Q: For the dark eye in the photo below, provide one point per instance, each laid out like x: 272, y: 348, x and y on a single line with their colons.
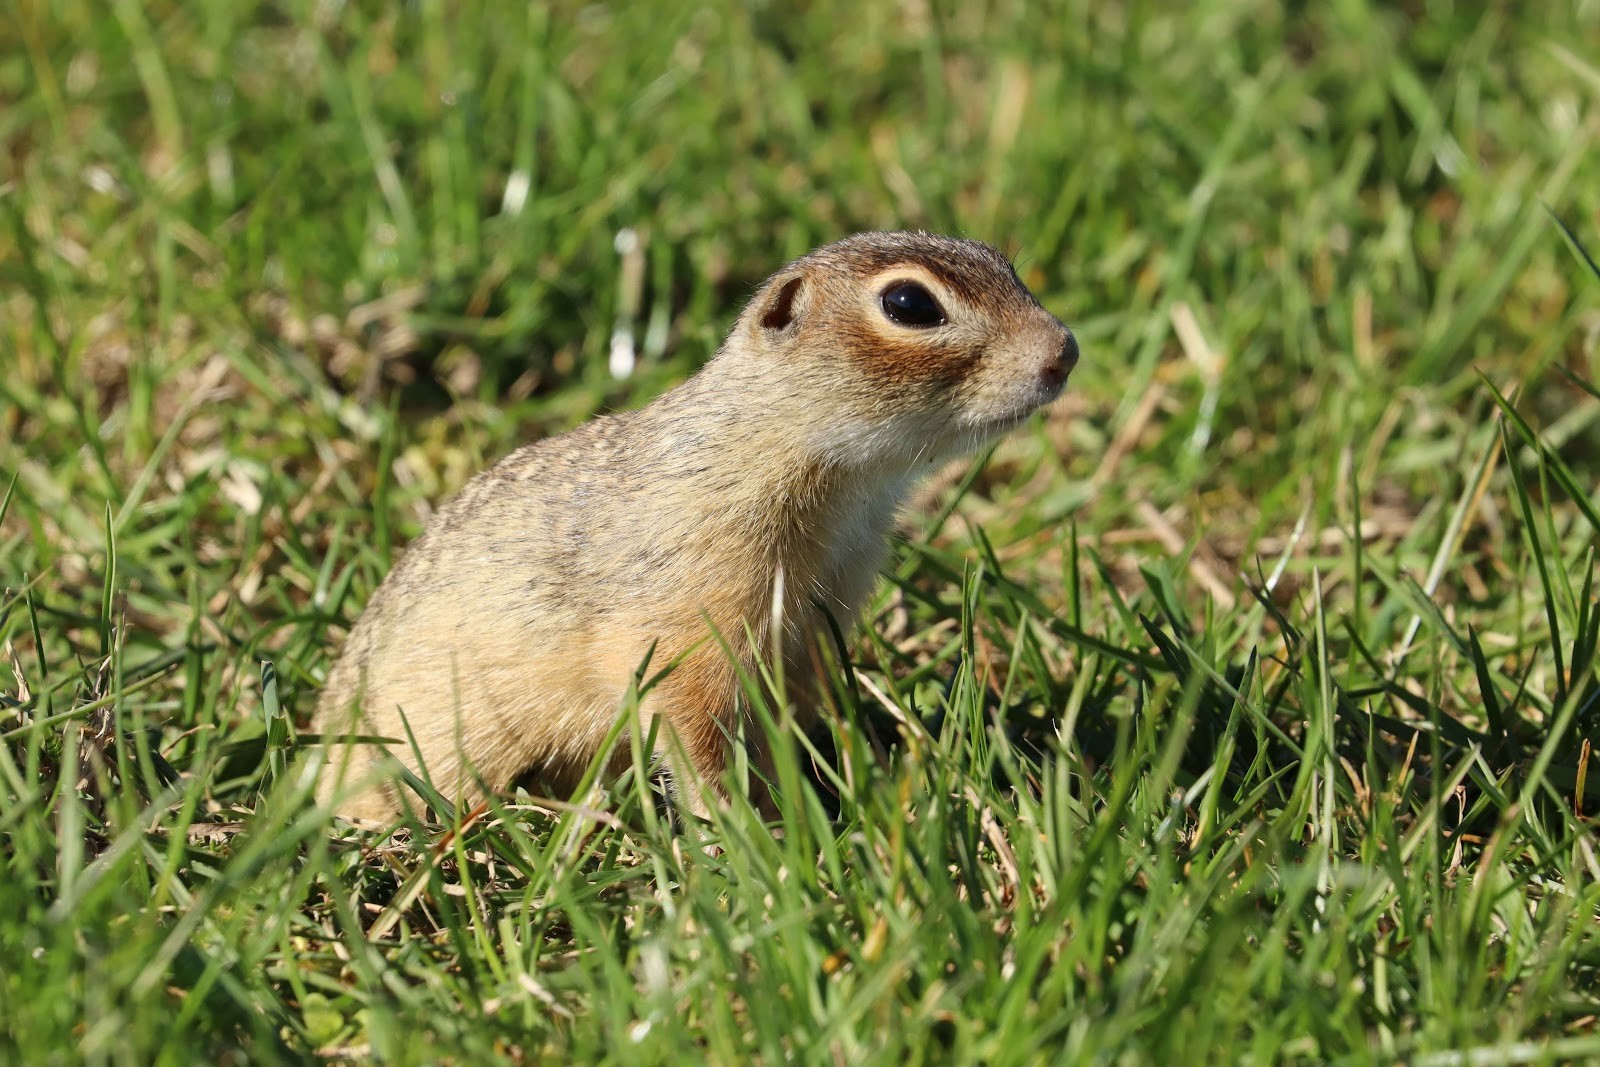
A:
x: 910, y: 304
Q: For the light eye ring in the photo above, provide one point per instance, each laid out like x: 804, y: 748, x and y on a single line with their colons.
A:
x: 909, y: 304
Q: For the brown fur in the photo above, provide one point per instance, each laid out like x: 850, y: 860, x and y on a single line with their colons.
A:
x: 507, y: 636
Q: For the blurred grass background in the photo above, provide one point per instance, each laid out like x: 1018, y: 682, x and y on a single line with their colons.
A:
x: 276, y: 277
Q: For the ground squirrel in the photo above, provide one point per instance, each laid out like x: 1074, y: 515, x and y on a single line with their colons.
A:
x: 762, y: 488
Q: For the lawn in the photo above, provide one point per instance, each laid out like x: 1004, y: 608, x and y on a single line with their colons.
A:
x: 1237, y: 709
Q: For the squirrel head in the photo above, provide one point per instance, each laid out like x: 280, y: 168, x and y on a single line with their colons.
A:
x: 901, y: 348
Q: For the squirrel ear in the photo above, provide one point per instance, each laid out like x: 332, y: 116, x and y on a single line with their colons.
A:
x: 783, y: 303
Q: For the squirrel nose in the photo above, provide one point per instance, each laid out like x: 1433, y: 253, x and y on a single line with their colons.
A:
x: 1056, y: 371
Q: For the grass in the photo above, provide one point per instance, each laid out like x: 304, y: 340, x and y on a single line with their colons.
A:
x: 1240, y: 710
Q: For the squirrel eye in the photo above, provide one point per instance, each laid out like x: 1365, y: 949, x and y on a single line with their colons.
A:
x: 910, y: 304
